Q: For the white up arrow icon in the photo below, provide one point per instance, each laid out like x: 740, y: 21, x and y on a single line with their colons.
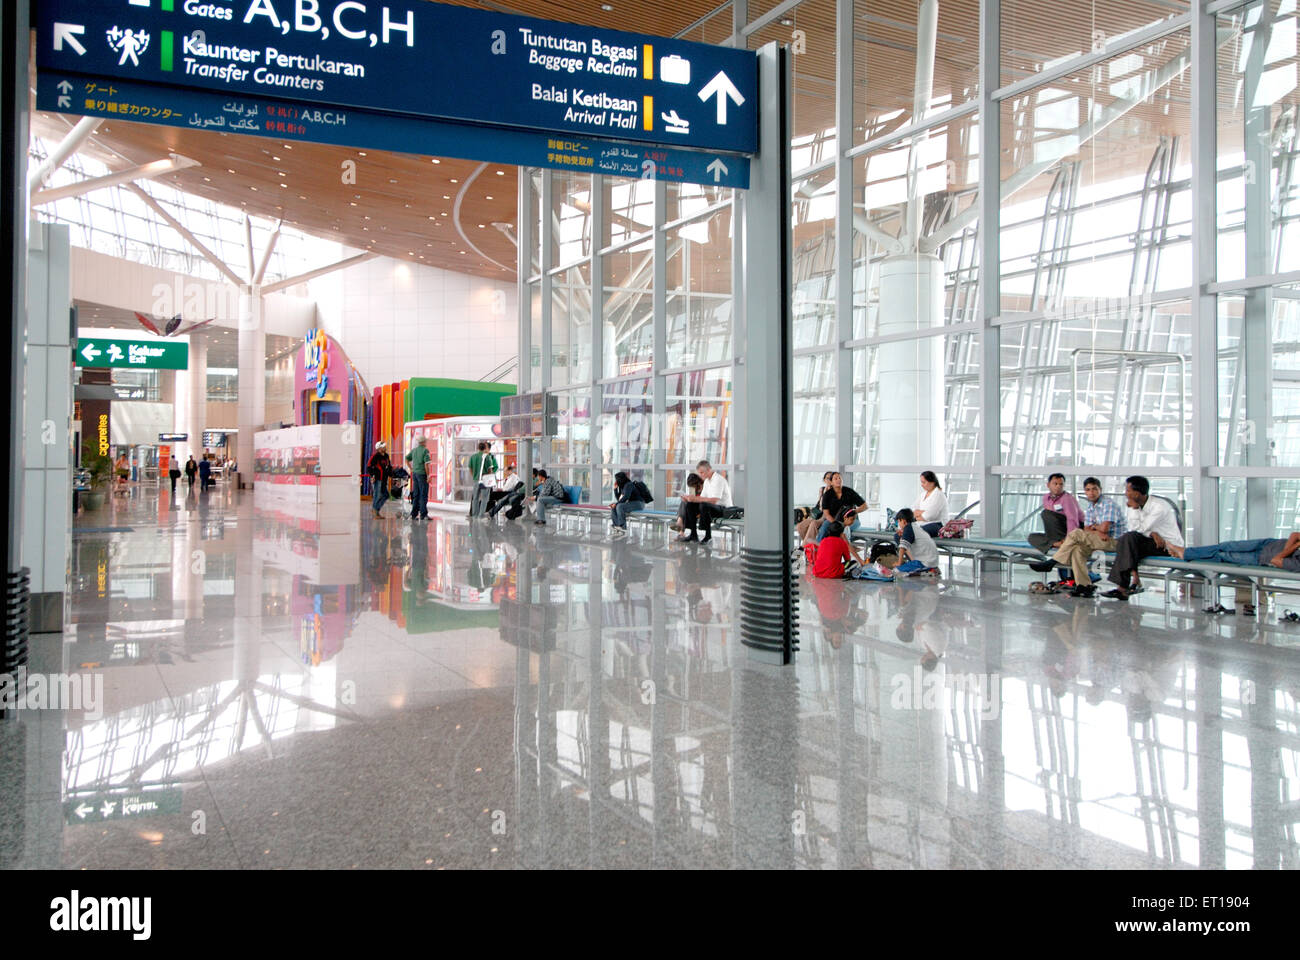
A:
x: 722, y: 87
x: 66, y: 33
x: 717, y: 168
x: 65, y: 89
x: 89, y: 352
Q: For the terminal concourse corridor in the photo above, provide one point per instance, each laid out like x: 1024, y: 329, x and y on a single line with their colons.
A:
x: 350, y: 692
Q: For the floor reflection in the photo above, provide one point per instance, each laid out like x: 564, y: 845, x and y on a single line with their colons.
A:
x: 345, y: 690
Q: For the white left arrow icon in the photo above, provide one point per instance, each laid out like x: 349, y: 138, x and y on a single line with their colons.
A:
x: 89, y: 352
x: 82, y: 810
x: 67, y: 33
x: 721, y: 87
x: 718, y: 169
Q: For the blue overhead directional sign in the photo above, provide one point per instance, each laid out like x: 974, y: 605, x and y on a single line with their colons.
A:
x: 424, y: 59
x: 294, y: 121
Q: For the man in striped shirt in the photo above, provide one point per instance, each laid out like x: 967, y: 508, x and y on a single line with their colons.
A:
x: 1103, y: 525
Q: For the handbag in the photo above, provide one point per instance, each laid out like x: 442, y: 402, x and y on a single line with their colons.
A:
x: 955, y: 529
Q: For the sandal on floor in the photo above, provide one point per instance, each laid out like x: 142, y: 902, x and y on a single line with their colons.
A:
x: 1247, y: 610
x: 1217, y: 608
x: 1290, y: 616
x: 1038, y: 588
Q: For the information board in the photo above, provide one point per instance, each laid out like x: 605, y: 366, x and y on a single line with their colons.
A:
x: 423, y: 59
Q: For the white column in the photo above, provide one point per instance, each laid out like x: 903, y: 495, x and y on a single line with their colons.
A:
x: 252, y: 377
x: 192, y: 404
x: 911, y: 374
x: 47, y: 416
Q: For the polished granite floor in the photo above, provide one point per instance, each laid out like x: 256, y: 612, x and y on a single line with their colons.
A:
x: 282, y: 689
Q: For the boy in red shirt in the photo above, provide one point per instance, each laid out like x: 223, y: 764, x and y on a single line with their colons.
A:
x: 834, y: 553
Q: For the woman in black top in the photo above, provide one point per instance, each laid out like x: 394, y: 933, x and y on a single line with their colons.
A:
x: 808, y: 529
x: 840, y: 503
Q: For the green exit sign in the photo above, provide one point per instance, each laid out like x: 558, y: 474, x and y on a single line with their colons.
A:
x: 151, y: 355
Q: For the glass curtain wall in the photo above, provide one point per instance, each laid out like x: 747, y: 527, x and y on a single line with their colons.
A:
x: 1097, y: 319
x: 1092, y: 313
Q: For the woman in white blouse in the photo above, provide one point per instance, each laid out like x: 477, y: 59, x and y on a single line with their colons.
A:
x: 931, y: 508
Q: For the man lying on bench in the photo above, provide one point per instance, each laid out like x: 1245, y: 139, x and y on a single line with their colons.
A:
x: 1247, y: 553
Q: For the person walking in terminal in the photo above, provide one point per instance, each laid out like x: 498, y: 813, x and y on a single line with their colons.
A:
x: 1103, y: 525
x: 839, y: 504
x: 712, y: 501
x: 191, y: 470
x: 419, y: 461
x: 915, y: 545
x: 931, y: 507
x: 1061, y: 514
x: 205, y: 473
x: 380, y: 467
x: 482, y: 467
x: 630, y: 496
x: 550, y: 492
x: 1152, y: 530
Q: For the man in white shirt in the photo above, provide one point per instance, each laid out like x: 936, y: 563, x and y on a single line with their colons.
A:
x: 1152, y: 529
x: 510, y: 484
x: 712, y: 502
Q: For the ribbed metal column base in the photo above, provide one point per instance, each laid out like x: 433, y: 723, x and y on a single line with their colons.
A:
x: 13, y: 653
x: 769, y: 596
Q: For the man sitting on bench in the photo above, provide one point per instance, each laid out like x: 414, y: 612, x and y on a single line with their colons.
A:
x: 1061, y: 515
x: 1103, y: 525
x: 711, y: 503
x: 1152, y: 530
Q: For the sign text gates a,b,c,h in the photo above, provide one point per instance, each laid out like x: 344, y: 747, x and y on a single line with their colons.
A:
x: 417, y: 58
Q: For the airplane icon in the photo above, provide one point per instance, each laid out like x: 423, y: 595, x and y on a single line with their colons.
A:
x: 675, y: 123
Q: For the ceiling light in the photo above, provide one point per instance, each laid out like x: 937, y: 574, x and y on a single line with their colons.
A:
x: 276, y: 159
x: 489, y: 198
x: 230, y: 171
x: 482, y: 226
x: 391, y: 180
x: 361, y: 154
x: 281, y: 173
x: 501, y: 173
x: 455, y: 180
x: 607, y: 7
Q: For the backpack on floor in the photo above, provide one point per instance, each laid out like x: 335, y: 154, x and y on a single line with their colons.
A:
x: 882, y: 548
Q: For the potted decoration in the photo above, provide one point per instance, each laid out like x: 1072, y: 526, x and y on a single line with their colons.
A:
x: 100, y: 468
